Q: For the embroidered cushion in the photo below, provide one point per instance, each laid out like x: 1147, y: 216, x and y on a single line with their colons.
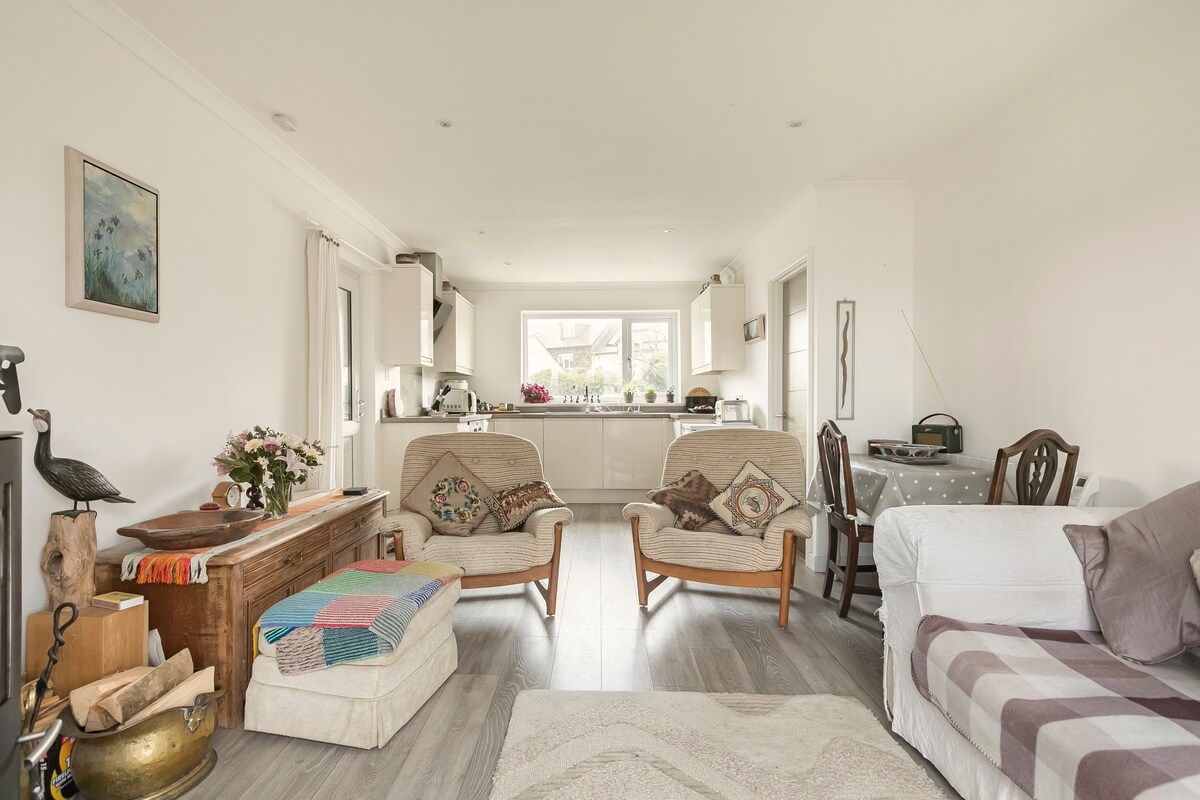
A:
x: 688, y: 498
x: 749, y: 503
x: 513, y: 506
x: 451, y: 497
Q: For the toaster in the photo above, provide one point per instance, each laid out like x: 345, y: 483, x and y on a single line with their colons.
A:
x: 733, y: 411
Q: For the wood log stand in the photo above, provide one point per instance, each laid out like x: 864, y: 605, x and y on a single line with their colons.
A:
x: 69, y: 558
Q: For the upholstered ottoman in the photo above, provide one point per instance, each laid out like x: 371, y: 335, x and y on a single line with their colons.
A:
x: 360, y: 703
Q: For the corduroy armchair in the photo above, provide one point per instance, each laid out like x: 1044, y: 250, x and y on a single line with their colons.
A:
x: 712, y: 554
x: 489, y: 556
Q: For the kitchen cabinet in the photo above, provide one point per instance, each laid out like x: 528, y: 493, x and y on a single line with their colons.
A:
x: 454, y: 348
x: 530, y: 429
x: 633, y: 453
x: 406, y: 308
x: 717, y: 318
x: 572, y: 457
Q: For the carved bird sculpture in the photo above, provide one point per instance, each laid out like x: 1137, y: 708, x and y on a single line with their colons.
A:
x: 80, y: 482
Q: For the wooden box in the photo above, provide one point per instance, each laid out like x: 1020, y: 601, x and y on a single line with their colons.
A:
x: 99, y: 643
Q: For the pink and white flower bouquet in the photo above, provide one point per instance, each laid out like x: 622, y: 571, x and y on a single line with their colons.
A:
x: 270, y: 461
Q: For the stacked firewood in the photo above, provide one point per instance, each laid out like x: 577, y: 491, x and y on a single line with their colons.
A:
x: 128, y: 697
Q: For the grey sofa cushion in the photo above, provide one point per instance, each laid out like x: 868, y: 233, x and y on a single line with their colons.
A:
x: 1139, y: 577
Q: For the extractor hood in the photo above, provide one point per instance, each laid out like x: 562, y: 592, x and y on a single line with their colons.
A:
x: 443, y: 301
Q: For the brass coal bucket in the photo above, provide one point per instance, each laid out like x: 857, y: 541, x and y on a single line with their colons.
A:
x: 161, y: 757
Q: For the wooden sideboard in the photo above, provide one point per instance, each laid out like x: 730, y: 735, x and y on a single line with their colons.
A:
x: 215, y: 620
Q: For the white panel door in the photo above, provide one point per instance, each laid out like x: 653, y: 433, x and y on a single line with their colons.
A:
x: 633, y: 453
x: 573, y: 453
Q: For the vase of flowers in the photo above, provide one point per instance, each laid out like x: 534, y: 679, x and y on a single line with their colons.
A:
x: 271, y: 462
x: 670, y: 394
x: 535, y: 393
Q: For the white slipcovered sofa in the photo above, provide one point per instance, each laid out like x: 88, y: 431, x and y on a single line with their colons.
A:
x: 1008, y: 565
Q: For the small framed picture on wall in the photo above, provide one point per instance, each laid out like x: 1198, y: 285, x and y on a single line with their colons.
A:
x: 755, y: 330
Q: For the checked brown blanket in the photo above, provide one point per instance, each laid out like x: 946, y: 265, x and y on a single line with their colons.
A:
x: 1062, y: 716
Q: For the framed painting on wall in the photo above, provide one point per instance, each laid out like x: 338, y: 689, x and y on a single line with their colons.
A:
x: 112, y: 240
x: 844, y: 384
x: 755, y: 330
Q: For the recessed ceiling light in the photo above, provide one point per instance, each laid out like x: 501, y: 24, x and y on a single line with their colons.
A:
x: 796, y: 123
x: 668, y: 230
x: 445, y: 123
x: 285, y: 122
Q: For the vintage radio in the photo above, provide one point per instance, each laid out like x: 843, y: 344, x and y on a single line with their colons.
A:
x: 948, y: 436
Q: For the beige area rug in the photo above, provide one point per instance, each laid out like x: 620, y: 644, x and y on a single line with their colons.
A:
x: 688, y: 745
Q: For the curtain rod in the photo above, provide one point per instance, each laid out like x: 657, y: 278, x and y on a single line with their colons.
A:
x: 312, y: 223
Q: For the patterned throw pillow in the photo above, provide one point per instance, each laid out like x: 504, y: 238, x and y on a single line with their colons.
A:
x: 749, y: 503
x: 451, y: 497
x: 513, y: 506
x: 688, y: 498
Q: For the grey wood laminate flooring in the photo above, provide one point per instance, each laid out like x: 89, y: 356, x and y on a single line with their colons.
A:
x: 693, y: 637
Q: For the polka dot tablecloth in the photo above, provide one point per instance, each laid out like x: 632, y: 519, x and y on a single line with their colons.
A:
x: 880, y: 485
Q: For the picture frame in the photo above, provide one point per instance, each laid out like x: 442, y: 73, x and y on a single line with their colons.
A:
x: 844, y: 382
x: 112, y: 240
x: 755, y: 330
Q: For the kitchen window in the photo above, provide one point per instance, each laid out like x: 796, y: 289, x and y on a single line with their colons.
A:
x: 602, y: 352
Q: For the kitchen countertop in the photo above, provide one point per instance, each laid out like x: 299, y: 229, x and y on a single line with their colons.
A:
x: 447, y: 419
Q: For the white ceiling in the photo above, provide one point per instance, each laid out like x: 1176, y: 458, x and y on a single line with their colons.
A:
x: 582, y: 130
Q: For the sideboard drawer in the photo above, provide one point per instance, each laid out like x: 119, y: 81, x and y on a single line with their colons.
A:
x: 284, y: 563
x: 357, y: 526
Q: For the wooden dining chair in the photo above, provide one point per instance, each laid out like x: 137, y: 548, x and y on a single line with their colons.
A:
x: 843, y: 517
x: 1036, y: 469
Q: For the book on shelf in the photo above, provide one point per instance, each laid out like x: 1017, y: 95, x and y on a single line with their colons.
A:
x: 117, y: 601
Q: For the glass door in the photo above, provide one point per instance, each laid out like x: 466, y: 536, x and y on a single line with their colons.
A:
x: 350, y: 326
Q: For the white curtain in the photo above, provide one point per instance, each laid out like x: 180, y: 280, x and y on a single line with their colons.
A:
x: 324, y: 358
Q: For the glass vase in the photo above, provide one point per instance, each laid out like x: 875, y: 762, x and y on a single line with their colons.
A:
x: 277, y: 499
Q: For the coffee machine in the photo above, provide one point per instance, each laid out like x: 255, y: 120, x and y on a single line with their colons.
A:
x: 455, y: 398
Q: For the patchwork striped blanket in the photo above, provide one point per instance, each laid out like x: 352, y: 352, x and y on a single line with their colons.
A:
x: 1062, y: 716
x: 358, y: 612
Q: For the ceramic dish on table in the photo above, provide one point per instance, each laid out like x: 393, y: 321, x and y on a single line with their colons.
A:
x: 906, y: 450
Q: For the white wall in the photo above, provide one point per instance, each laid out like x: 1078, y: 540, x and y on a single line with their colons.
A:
x: 147, y: 404
x: 498, y: 326
x: 1056, y: 270
x: 857, y: 240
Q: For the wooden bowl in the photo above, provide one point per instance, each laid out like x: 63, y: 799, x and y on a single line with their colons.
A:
x: 188, y: 530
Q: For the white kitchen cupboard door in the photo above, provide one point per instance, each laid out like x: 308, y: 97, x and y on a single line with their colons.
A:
x: 573, y: 453
x: 406, y: 308
x: 633, y: 453
x: 530, y: 429
x: 717, y: 318
x: 454, y: 350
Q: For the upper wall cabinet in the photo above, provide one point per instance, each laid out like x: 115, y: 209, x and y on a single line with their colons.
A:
x: 406, y: 306
x: 717, y: 318
x: 454, y: 349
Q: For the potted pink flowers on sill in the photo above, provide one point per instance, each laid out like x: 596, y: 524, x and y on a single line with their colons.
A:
x: 270, y: 462
x: 535, y: 393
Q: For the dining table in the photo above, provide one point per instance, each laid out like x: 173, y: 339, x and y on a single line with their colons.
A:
x: 880, y: 484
